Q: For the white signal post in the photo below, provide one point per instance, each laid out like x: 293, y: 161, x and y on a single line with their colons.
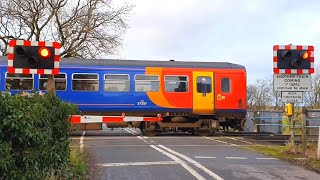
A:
x: 292, y: 67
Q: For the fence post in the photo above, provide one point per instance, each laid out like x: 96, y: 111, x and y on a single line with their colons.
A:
x: 318, y: 153
x: 304, y: 129
x: 291, y: 118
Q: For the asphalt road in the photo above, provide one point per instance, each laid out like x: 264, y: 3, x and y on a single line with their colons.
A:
x: 126, y: 154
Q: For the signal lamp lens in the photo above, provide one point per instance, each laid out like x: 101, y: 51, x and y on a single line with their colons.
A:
x: 44, y: 52
x: 20, y: 51
x: 305, y: 55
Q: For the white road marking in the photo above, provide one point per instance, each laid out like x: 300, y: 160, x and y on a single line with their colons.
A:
x: 81, y: 141
x: 137, y: 135
x: 131, y: 131
x: 210, y: 173
x: 239, y: 140
x: 205, y: 157
x: 134, y: 131
x: 236, y: 158
x: 142, y: 139
x: 104, y: 138
x: 181, y: 162
x: 220, y: 141
x: 137, y: 163
x: 267, y: 158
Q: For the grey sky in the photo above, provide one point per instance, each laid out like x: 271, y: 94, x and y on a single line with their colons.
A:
x: 237, y: 31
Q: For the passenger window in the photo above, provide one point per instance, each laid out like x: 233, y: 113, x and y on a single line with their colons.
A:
x: 225, y: 85
x: 19, y: 81
x: 85, y: 82
x: 59, y: 79
x: 116, y: 83
x: 204, y: 84
x: 176, y: 83
x: 146, y: 83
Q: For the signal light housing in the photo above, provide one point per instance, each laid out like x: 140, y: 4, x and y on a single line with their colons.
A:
x: 293, y: 59
x: 33, y: 57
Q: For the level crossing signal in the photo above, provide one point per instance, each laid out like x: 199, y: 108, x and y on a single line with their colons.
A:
x: 293, y: 59
x: 33, y: 57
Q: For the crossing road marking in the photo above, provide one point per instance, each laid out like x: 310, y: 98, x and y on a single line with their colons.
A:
x: 205, y: 157
x: 179, y: 161
x: 267, y: 158
x: 137, y: 163
x: 209, y: 172
x: 236, y: 158
x: 235, y: 139
x: 220, y: 141
x: 81, y: 141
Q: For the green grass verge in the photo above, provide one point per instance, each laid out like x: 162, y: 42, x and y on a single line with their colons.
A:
x: 75, y: 169
x: 78, y: 162
x: 283, y: 153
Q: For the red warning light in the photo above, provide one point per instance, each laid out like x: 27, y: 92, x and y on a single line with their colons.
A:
x: 44, y: 52
x: 305, y: 55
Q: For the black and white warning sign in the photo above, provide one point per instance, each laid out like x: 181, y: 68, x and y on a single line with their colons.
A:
x: 292, y: 97
x: 292, y: 82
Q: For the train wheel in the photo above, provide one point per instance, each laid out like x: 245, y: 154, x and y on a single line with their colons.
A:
x: 206, y: 128
x: 149, y: 129
x: 204, y: 132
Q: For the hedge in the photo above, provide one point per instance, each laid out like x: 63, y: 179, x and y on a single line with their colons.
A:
x: 34, y: 136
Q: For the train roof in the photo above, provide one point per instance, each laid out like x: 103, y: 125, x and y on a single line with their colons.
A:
x: 143, y: 63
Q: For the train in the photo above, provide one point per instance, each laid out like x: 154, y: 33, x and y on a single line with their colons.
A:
x: 155, y: 96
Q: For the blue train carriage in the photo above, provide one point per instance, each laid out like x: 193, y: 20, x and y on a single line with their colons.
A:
x: 154, y: 96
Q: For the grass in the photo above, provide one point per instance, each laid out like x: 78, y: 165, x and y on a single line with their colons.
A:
x: 75, y: 169
x: 78, y: 161
x: 290, y: 154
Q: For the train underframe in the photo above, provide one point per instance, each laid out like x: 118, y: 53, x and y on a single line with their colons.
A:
x: 202, y: 125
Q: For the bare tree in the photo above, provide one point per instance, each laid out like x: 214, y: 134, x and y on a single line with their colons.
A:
x: 85, y: 28
x: 312, y: 98
x: 260, y: 94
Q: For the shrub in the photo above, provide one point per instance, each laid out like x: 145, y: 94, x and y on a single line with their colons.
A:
x: 34, y: 135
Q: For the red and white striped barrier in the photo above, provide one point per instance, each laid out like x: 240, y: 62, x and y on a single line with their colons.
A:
x: 78, y: 119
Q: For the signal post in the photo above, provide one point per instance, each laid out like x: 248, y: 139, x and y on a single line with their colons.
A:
x: 292, y: 67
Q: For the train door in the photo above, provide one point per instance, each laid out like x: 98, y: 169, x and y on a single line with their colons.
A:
x: 203, y: 92
x: 230, y: 90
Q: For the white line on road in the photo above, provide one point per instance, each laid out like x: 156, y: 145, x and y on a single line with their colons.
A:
x: 220, y: 141
x: 137, y: 135
x: 210, y: 173
x: 81, y: 141
x: 137, y: 163
x: 131, y: 131
x: 179, y: 161
x: 205, y: 157
x: 267, y: 158
x: 239, y: 140
x: 236, y: 158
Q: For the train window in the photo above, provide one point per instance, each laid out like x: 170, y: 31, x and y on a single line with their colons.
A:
x: 116, y: 82
x: 204, y: 84
x: 176, y: 83
x: 146, y: 83
x: 19, y: 81
x: 59, y: 79
x: 225, y: 85
x: 85, y: 82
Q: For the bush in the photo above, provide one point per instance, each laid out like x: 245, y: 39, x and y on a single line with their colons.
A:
x: 34, y: 135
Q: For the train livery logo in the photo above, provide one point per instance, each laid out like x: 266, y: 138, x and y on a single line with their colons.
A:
x: 142, y: 103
